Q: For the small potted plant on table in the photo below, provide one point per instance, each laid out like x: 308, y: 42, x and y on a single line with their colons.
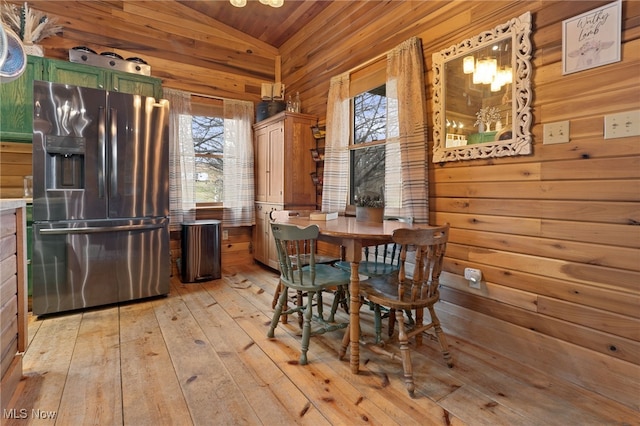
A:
x: 369, y: 208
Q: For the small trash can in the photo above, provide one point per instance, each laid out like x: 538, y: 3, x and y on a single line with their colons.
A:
x: 201, y: 257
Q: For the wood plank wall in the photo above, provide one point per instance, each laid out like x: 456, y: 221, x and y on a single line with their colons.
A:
x: 555, y: 233
x: 15, y: 164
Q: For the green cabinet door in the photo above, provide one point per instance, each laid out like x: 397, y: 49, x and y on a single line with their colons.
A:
x: 75, y: 74
x: 16, y: 99
x: 137, y: 84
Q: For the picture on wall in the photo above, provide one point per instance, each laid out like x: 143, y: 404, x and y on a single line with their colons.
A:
x: 592, y: 39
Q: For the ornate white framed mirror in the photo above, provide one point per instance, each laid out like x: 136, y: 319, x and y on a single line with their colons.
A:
x: 482, y: 95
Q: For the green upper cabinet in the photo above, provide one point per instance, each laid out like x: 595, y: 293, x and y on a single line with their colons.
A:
x: 16, y: 111
x: 16, y: 97
x: 125, y: 82
x: 76, y: 74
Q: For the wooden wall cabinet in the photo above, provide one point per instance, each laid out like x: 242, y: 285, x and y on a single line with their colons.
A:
x: 283, y: 163
x: 282, y: 167
x: 75, y: 74
x: 16, y: 98
x: 264, y: 250
x: 101, y: 78
x: 16, y: 109
x: 13, y: 296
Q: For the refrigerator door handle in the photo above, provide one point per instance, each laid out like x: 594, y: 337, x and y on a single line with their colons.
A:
x: 102, y: 133
x: 99, y: 229
x: 113, y: 137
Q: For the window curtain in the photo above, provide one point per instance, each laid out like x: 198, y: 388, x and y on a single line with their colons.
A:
x: 406, y: 187
x: 182, y: 195
x: 238, y: 194
x: 336, y: 152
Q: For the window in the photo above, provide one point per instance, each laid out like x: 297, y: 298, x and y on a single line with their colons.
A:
x: 367, y: 156
x: 207, y: 131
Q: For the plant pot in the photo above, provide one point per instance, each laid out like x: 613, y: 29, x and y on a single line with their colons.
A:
x: 369, y: 214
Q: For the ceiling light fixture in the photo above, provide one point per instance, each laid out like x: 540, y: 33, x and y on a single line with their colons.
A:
x: 243, y: 3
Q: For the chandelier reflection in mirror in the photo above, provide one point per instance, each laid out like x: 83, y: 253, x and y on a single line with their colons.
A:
x: 482, y: 95
x: 243, y: 3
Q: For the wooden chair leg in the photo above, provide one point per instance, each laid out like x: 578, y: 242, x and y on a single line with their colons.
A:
x: 345, y: 342
x: 419, y: 321
x: 319, y: 305
x: 377, y: 323
x: 277, y: 312
x: 392, y: 322
x: 276, y: 295
x: 337, y: 295
x: 339, y: 299
x: 299, y: 302
x: 344, y: 299
x: 306, y: 329
x: 406, y: 355
x: 442, y: 339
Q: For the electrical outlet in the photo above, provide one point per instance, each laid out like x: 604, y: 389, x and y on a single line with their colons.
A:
x: 225, y: 234
x: 474, y: 276
x: 557, y: 132
x: 622, y: 124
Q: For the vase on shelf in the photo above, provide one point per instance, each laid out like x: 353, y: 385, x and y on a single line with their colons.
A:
x: 488, y: 127
x: 33, y: 49
x: 481, y: 127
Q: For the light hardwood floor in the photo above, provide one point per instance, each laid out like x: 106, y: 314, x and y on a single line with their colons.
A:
x: 201, y: 356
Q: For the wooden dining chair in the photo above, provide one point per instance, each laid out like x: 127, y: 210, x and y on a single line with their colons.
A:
x: 379, y: 261
x: 280, y: 215
x: 415, y: 291
x: 313, y: 278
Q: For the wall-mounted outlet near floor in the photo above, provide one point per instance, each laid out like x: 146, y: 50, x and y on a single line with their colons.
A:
x: 474, y: 276
x: 225, y: 234
x: 557, y: 132
x: 622, y: 124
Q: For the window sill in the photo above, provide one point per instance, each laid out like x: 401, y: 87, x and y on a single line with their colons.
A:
x: 212, y: 207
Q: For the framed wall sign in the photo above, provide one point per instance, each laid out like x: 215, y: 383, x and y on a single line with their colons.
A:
x: 592, y: 39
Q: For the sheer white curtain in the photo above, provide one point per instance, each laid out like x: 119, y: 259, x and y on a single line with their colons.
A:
x: 238, y: 194
x: 336, y: 152
x: 182, y: 198
x: 406, y: 186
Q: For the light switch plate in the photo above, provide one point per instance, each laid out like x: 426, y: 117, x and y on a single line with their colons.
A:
x: 622, y: 124
x: 557, y: 132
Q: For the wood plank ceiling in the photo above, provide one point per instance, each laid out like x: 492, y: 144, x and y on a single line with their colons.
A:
x: 271, y: 25
x: 203, y: 46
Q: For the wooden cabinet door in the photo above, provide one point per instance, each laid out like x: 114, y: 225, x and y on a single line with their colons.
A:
x: 296, y: 184
x: 275, y: 181
x: 269, y: 166
x: 264, y: 247
x: 101, y: 78
x: 261, y: 149
x: 259, y: 237
x: 137, y: 84
x: 76, y: 74
x: 16, y: 97
x: 16, y: 103
x: 282, y: 165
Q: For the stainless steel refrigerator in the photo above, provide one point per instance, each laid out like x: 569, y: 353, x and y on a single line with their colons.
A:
x: 100, y: 197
